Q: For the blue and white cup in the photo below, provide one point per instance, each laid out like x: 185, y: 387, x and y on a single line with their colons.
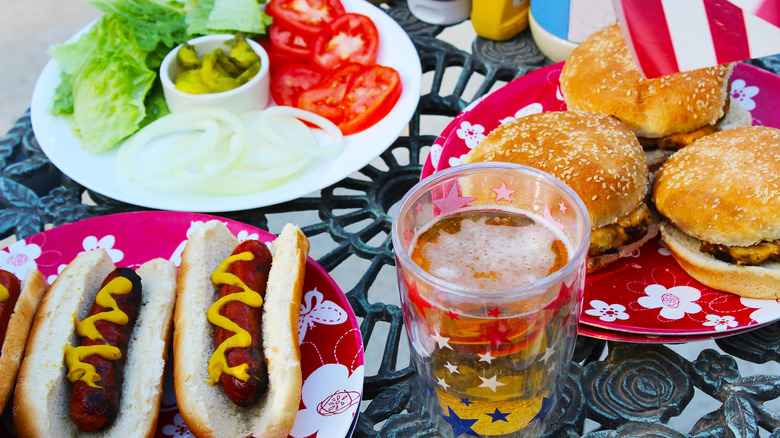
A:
x: 558, y: 26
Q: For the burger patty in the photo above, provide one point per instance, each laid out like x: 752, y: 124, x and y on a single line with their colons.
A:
x: 629, y: 228
x: 677, y: 141
x: 680, y: 140
x: 744, y: 255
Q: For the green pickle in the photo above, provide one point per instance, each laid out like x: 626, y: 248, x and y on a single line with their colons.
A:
x: 216, y: 71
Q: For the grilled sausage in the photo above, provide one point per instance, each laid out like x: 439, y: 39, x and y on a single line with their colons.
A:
x: 254, y: 274
x: 94, y: 407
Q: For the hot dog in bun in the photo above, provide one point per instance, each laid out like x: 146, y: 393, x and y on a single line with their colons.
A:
x: 18, y: 303
x: 666, y: 112
x: 721, y: 197
x: 97, y: 349
x: 598, y: 157
x: 236, y: 355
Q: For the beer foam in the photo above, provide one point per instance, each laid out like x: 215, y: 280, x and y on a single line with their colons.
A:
x: 489, y: 256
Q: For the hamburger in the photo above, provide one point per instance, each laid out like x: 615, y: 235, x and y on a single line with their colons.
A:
x: 665, y: 113
x: 598, y: 157
x: 720, y: 197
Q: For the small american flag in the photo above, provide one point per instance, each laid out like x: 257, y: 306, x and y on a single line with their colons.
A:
x: 668, y: 36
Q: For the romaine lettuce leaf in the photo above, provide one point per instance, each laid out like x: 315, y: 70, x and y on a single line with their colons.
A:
x: 197, y: 15
x: 108, y: 71
x: 158, y: 26
x: 206, y: 17
x: 240, y: 15
x: 109, y: 80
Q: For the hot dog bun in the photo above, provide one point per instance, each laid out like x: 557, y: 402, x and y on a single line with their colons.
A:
x: 12, y: 347
x: 42, y: 400
x: 206, y: 409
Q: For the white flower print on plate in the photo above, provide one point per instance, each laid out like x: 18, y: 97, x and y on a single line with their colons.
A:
x: 767, y: 309
x: 674, y: 302
x: 107, y: 243
x: 454, y: 161
x: 744, y: 94
x: 331, y: 397
x: 607, y: 312
x: 470, y: 134
x: 534, y: 108
x: 178, y: 429
x: 19, y: 257
x: 721, y: 323
x: 435, y: 154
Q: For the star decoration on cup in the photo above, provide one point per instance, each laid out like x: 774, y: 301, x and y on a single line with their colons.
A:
x: 546, y: 405
x: 491, y: 383
x: 452, y: 202
x: 547, y: 215
x: 459, y: 425
x: 453, y: 369
x: 441, y: 340
x: 503, y: 193
x: 417, y: 299
x: 547, y: 354
x: 486, y: 357
x: 498, y: 416
x: 494, y: 312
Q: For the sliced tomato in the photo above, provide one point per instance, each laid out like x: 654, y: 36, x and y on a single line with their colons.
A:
x: 371, y: 95
x: 277, y: 58
x: 305, y: 16
x: 291, y: 43
x: 349, y: 38
x: 327, y: 97
x: 291, y: 79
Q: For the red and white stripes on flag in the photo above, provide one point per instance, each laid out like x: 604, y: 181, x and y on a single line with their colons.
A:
x: 668, y: 36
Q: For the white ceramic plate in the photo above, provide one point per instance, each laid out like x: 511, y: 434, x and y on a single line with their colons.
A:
x: 99, y: 173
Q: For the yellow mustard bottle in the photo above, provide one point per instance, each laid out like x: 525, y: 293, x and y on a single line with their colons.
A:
x: 499, y: 19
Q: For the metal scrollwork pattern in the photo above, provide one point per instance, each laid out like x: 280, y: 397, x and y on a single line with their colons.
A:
x: 624, y: 389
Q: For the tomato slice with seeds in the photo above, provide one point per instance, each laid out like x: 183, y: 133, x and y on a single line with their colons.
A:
x: 349, y: 38
x: 371, y: 95
x: 305, y: 16
x: 327, y: 97
x: 291, y: 43
x: 291, y: 79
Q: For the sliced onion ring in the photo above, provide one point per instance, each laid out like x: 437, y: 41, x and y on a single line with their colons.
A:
x: 182, y: 176
x: 216, y: 155
x: 274, y: 122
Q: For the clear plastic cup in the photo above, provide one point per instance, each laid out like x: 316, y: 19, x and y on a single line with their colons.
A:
x: 491, y: 264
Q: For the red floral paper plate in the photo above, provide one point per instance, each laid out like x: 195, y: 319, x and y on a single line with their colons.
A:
x: 647, y: 294
x: 329, y: 334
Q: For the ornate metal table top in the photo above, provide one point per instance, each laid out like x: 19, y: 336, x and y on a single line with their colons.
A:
x: 614, y: 389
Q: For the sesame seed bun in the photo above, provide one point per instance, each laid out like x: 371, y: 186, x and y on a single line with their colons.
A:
x: 724, y: 188
x: 595, y: 154
x: 600, y: 76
